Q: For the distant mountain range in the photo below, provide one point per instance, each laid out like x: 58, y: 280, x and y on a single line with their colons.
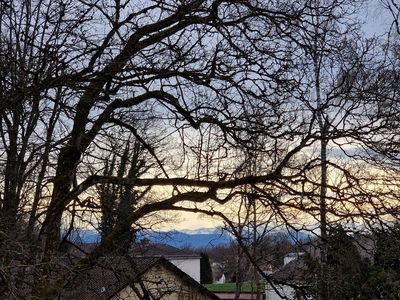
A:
x: 192, y: 238
x: 199, y: 238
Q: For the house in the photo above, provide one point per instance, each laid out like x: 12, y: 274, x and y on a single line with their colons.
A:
x: 291, y: 256
x: 127, y: 278
x: 220, y: 278
x: 294, y: 273
x: 300, y: 268
x: 185, y: 259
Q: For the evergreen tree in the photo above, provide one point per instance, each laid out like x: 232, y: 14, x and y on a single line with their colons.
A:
x: 346, y: 270
x: 384, y: 276
x: 205, y: 269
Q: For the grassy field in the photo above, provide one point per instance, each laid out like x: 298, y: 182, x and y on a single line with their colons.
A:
x: 230, y: 287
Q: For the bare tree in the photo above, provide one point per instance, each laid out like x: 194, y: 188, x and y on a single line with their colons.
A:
x: 394, y: 9
x: 215, y: 80
x: 94, y: 64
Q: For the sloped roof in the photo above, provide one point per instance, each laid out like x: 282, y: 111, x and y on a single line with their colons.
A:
x: 297, y: 271
x: 112, y: 274
x: 106, y: 278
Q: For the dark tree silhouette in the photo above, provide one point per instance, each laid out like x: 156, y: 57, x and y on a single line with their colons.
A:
x: 212, y: 81
x: 206, y: 275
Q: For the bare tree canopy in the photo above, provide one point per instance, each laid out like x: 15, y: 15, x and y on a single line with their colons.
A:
x: 116, y: 111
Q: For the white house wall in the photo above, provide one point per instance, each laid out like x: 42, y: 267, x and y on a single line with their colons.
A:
x: 190, y: 266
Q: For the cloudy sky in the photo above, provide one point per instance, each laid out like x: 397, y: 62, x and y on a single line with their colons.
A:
x: 377, y: 21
